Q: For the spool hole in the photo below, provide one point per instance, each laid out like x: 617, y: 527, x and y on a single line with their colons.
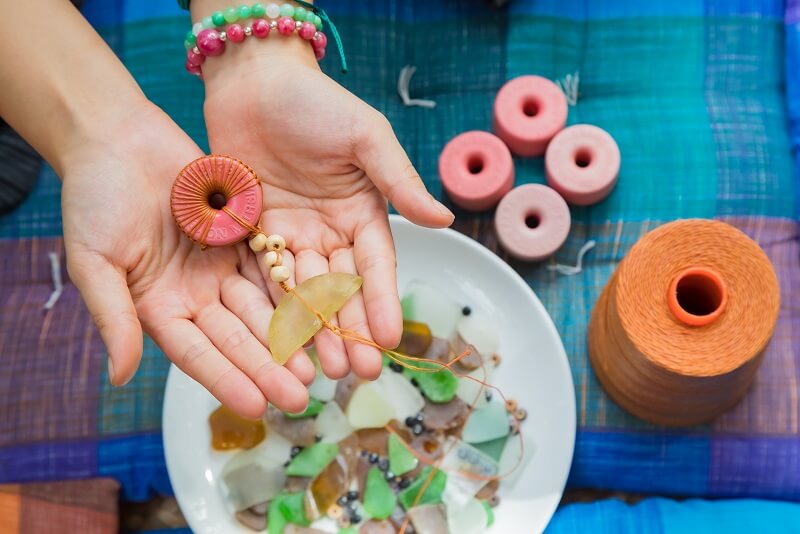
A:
x: 532, y: 220
x: 217, y: 200
x: 475, y: 164
x: 697, y: 296
x: 583, y: 158
x: 530, y: 107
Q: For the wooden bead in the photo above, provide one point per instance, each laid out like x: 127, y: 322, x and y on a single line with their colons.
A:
x: 276, y: 243
x: 279, y: 273
x: 258, y: 243
x: 271, y: 259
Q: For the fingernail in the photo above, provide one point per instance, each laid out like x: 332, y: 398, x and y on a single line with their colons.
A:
x: 441, y: 208
x: 111, y: 373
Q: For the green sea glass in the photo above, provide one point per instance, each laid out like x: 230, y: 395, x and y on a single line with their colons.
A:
x: 312, y: 460
x: 433, y: 493
x: 293, y: 323
x: 487, y: 423
x: 284, y: 509
x: 437, y: 386
x: 401, y: 461
x: 379, y: 499
x: 314, y: 408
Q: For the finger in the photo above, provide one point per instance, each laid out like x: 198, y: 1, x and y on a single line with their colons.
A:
x: 302, y: 367
x: 249, y: 269
x: 365, y: 360
x: 104, y: 288
x: 386, y: 163
x: 194, y: 354
x: 251, y: 305
x: 237, y: 343
x: 330, y: 347
x: 376, y: 263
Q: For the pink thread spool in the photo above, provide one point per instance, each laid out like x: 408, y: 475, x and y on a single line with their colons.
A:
x: 528, y: 112
x: 532, y: 222
x: 208, y: 197
x: 476, y: 170
x: 582, y: 163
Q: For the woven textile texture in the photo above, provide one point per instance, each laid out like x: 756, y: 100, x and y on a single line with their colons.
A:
x: 699, y: 96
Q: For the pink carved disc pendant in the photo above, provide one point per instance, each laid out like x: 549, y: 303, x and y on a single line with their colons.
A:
x: 216, y: 200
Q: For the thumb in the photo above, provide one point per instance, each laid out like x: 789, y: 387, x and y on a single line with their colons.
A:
x: 386, y: 163
x: 105, y: 291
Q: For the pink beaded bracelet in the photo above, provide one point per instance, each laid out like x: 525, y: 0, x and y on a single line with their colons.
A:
x: 211, y: 42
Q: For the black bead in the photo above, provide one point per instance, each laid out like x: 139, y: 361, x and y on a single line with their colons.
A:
x: 410, y: 421
x: 295, y: 451
x: 286, y: 463
x: 389, y: 476
x: 404, y: 483
x: 364, y: 453
x: 355, y: 518
x: 317, y: 438
x: 466, y: 310
x: 419, y: 418
x: 352, y: 506
x: 352, y: 495
x: 383, y: 464
x: 488, y: 395
x: 341, y: 501
x: 373, y: 458
x: 396, y: 367
x: 417, y: 430
x: 414, y: 382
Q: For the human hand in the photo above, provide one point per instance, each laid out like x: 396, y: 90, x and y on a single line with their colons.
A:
x: 208, y: 310
x: 328, y: 162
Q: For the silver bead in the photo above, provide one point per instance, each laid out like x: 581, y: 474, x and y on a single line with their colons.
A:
x: 248, y: 31
x: 196, y: 50
x: 223, y: 36
x: 298, y: 25
x: 273, y: 24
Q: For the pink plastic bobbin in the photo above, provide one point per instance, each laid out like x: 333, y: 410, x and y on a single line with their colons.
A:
x: 582, y: 163
x: 206, y: 186
x: 528, y: 112
x: 532, y: 222
x: 476, y: 170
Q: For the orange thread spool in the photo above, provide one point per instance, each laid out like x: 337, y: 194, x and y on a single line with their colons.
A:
x: 678, y: 333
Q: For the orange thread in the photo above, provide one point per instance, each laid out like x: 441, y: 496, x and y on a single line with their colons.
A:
x: 680, y: 330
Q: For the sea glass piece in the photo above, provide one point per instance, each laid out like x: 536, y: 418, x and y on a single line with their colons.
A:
x: 348, y: 530
x: 345, y: 389
x: 229, y: 431
x: 322, y: 388
x: 469, y: 470
x: 489, y: 513
x: 471, y: 359
x: 487, y: 423
x: 433, y: 493
x: 252, y: 520
x: 293, y: 323
x: 446, y: 415
x: 369, y: 407
x: 379, y: 499
x: 327, y: 487
x: 401, y: 461
x: 405, y: 398
x: 469, y: 518
x: 376, y: 527
x: 515, y: 458
x: 332, y: 424
x: 416, y: 339
x: 493, y: 448
x: 300, y: 432
x: 425, y: 303
x: 250, y: 478
x: 473, y: 392
x: 428, y: 519
x: 314, y: 408
x: 437, y: 386
x: 478, y: 330
x: 284, y: 509
x: 312, y: 460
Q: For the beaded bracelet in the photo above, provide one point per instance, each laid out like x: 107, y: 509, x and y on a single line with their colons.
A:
x: 208, y: 39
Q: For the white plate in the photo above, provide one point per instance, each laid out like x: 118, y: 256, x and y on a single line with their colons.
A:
x: 534, y: 371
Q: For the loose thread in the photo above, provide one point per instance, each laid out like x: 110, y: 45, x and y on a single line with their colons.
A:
x: 569, y: 270
x: 403, y: 83
x: 58, y: 285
